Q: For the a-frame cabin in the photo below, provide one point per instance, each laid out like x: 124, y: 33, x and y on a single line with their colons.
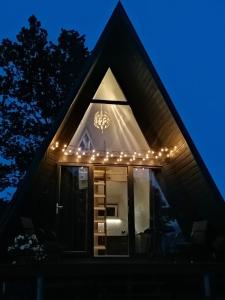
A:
x: 117, y: 155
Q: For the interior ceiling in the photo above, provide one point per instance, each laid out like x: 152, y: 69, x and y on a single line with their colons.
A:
x: 109, y: 89
x: 123, y: 133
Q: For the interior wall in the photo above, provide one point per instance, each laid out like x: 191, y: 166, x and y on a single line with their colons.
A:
x: 116, y: 193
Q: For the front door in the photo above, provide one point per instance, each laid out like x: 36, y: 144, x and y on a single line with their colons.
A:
x: 72, y: 208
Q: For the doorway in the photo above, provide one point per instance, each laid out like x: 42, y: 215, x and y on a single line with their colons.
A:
x: 110, y: 221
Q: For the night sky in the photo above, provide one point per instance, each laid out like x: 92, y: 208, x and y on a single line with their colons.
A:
x: 184, y: 39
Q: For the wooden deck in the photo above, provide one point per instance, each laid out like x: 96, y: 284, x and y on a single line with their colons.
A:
x: 113, y: 278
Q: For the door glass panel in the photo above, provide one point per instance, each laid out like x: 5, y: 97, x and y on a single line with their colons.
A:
x: 142, y: 209
x: 110, y: 211
x: 72, y: 208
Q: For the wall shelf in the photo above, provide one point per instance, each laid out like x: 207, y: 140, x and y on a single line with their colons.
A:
x: 99, y: 211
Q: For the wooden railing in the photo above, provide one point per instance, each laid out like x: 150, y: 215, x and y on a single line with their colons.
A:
x: 111, y: 279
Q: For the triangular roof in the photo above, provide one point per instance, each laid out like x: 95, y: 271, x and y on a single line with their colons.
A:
x: 185, y: 181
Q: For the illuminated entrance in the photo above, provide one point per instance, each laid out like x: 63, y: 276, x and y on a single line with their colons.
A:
x: 105, y: 178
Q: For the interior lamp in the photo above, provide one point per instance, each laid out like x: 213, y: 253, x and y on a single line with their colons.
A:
x: 101, y: 120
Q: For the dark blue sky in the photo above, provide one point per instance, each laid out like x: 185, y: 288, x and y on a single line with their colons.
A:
x: 184, y: 39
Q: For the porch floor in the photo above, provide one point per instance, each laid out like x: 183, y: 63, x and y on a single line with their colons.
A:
x: 107, y: 278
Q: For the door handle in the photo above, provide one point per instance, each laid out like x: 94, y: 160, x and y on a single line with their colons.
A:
x: 58, y: 207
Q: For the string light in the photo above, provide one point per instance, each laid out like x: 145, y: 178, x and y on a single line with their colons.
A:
x: 149, y: 157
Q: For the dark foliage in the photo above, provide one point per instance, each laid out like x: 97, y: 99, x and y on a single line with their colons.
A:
x: 35, y: 77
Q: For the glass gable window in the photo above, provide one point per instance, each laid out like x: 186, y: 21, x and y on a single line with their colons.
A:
x: 109, y: 89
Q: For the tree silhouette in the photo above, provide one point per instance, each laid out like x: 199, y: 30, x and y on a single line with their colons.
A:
x: 35, y: 77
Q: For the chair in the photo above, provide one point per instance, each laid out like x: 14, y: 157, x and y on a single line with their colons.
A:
x: 27, y: 225
x: 197, y: 247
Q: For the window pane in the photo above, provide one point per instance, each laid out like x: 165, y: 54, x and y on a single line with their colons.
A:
x: 74, y: 201
x: 142, y: 209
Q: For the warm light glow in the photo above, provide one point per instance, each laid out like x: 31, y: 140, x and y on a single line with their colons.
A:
x: 109, y: 88
x: 101, y: 120
x: 113, y: 221
x: 148, y: 157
